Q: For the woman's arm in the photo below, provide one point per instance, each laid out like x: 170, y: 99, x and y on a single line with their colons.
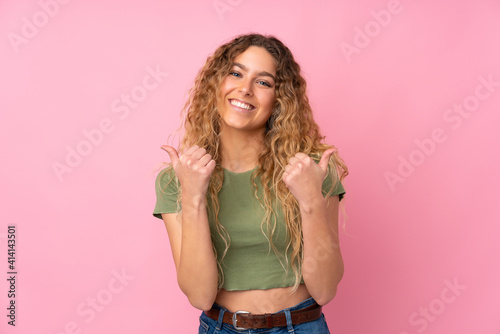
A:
x: 190, y: 239
x: 193, y: 255
x: 323, y: 266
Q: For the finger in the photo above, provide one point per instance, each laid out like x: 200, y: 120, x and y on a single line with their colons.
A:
x: 293, y: 160
x: 190, y: 150
x: 211, y: 165
x: 326, y: 157
x: 172, y: 153
x: 288, y: 168
x: 204, y: 160
x: 301, y: 156
x: 285, y: 178
x: 198, y: 153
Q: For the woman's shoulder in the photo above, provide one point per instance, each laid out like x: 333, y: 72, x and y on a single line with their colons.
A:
x: 166, y: 177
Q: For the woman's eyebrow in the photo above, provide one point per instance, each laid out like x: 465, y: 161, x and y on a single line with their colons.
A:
x: 263, y: 73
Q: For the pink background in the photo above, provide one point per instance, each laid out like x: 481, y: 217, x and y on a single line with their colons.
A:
x: 386, y: 103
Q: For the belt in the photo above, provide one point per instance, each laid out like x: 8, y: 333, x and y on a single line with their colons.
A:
x: 243, y: 319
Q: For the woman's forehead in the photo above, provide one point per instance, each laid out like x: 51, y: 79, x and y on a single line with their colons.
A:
x: 256, y: 59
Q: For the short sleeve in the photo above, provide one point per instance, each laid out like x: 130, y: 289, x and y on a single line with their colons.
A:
x: 166, y: 193
x: 328, y: 183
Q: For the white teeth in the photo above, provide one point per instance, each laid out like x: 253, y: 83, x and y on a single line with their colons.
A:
x: 241, y: 105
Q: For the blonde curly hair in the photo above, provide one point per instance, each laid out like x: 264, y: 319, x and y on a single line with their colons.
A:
x: 290, y: 129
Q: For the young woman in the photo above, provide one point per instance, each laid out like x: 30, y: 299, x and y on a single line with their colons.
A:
x: 251, y: 197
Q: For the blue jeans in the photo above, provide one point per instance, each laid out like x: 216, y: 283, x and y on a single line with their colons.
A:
x: 318, y: 326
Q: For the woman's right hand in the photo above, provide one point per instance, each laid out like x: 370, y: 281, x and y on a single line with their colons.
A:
x: 193, y: 169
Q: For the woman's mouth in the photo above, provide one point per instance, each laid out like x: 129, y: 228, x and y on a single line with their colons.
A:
x: 241, y: 105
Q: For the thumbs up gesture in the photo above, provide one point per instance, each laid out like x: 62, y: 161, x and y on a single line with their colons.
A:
x: 193, y: 169
x: 304, y: 177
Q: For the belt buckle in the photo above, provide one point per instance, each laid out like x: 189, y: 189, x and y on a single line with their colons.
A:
x: 235, y: 320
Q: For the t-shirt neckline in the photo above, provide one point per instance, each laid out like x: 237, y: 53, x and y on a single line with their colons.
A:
x: 240, y: 173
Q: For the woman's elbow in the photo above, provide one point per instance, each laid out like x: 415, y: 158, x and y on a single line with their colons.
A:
x: 201, y: 304
x: 200, y: 299
x: 325, y: 298
x: 328, y: 294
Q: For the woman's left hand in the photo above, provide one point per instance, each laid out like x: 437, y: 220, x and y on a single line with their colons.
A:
x: 304, y: 177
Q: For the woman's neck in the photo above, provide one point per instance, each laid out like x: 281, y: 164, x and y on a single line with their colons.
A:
x: 240, y: 150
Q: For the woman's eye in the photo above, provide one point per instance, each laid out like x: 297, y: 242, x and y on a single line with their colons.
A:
x: 264, y: 83
x: 235, y: 74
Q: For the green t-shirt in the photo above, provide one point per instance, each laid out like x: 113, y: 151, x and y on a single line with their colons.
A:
x: 249, y: 263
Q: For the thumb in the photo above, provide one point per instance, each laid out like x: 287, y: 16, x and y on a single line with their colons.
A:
x: 172, y: 153
x: 323, y: 163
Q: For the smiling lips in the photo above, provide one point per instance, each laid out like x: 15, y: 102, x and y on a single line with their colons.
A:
x: 242, y: 105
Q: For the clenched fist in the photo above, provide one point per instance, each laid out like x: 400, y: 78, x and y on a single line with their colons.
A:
x: 304, y: 177
x: 193, y: 169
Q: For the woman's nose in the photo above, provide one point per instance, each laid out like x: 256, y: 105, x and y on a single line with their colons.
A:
x: 246, y: 87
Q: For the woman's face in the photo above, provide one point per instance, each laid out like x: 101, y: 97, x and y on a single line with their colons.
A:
x: 248, y: 91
